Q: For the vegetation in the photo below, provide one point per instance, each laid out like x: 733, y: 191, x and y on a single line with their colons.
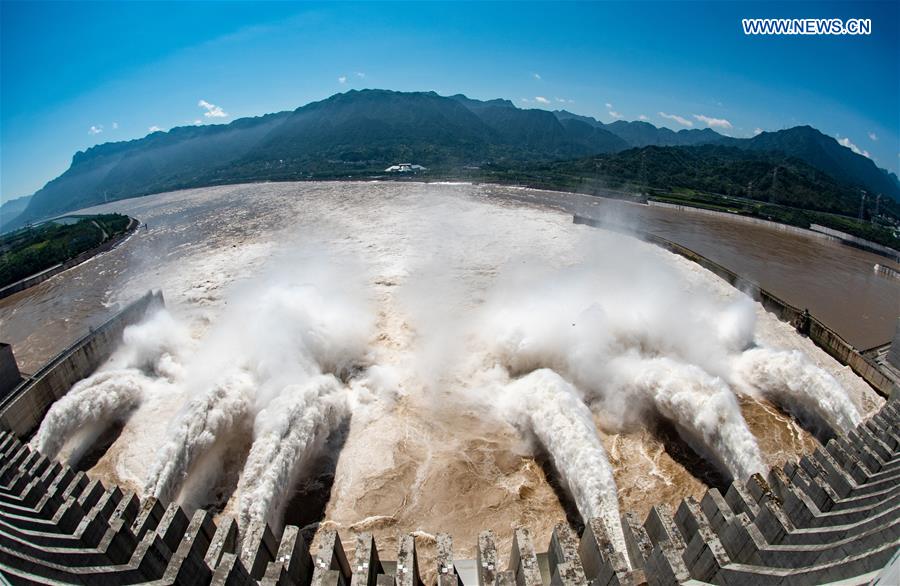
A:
x: 31, y: 250
x: 360, y: 133
x: 760, y: 184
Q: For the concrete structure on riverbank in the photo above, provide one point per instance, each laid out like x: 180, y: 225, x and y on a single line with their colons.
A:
x: 833, y: 516
x: 10, y: 377
x: 22, y: 410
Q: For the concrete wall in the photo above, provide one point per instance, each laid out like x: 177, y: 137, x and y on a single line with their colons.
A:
x: 814, y: 231
x: 22, y: 411
x: 859, y: 242
x: 64, y: 266
x: 893, y: 355
x: 10, y: 377
x: 822, y: 335
x: 827, y: 518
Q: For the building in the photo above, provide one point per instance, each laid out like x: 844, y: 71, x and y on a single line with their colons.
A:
x: 405, y: 168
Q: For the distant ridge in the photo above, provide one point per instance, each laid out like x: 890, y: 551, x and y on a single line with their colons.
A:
x: 370, y: 129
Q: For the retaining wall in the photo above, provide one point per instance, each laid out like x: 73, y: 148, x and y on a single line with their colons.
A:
x: 818, y: 332
x: 858, y: 242
x: 22, y: 411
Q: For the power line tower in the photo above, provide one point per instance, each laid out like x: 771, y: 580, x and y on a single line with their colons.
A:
x: 877, y: 206
x: 642, y: 176
x: 862, y: 203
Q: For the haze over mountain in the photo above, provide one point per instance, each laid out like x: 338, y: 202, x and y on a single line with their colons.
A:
x: 371, y: 129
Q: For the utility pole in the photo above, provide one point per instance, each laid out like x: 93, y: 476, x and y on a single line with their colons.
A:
x: 877, y: 205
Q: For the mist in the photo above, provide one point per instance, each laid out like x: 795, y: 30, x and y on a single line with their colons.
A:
x: 603, y: 335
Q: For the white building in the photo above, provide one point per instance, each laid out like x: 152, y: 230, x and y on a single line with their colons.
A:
x: 404, y: 168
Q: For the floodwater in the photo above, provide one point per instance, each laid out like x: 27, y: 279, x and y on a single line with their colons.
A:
x: 837, y: 283
x: 421, y: 460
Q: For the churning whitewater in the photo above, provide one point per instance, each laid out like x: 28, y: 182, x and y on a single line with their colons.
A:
x: 453, y: 336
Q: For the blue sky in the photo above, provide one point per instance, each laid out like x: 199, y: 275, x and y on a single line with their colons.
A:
x: 76, y: 74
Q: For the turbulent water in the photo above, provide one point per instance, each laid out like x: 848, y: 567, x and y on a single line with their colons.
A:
x: 412, y: 351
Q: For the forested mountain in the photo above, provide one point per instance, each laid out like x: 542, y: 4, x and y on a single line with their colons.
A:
x: 802, y: 142
x: 766, y: 176
x: 365, y: 131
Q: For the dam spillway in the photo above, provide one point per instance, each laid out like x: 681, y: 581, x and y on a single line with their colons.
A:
x: 394, y: 347
x: 829, y: 517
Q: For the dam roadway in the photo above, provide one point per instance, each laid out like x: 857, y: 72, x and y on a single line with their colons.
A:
x: 836, y: 282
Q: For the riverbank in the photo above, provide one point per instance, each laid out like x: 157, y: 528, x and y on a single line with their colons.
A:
x: 40, y: 277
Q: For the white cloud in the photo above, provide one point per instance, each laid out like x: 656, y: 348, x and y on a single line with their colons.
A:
x: 154, y: 128
x: 95, y: 129
x: 536, y: 75
x: 609, y: 106
x: 873, y: 137
x: 198, y: 122
x: 342, y: 79
x: 115, y: 125
x: 360, y: 75
x: 615, y: 114
x: 847, y: 143
x: 757, y: 131
x: 713, y: 122
x: 212, y: 111
x: 643, y: 117
x: 676, y: 118
x: 541, y: 100
x: 524, y: 100
x: 565, y: 101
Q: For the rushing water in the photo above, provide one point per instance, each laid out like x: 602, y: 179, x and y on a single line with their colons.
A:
x: 426, y: 426
x: 837, y: 283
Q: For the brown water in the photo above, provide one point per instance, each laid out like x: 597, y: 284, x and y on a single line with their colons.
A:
x: 837, y: 283
x: 421, y: 463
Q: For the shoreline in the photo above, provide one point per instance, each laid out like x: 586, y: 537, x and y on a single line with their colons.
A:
x: 48, y: 273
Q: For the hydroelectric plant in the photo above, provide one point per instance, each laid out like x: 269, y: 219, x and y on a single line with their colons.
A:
x: 435, y: 384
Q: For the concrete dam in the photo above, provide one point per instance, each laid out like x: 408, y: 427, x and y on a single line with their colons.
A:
x: 399, y: 395
x: 830, y: 517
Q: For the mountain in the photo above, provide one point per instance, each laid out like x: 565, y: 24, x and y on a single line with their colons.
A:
x: 367, y: 129
x: 764, y: 176
x: 362, y: 132
x: 641, y: 134
x: 11, y: 209
x: 542, y: 131
x: 802, y: 142
x: 826, y: 154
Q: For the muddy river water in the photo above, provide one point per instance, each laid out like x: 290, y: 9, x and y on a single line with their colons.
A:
x: 426, y: 447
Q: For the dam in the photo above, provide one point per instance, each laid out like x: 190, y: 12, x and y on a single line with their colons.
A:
x: 428, y: 363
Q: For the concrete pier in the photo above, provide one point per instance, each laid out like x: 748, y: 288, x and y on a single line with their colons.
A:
x: 831, y: 517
